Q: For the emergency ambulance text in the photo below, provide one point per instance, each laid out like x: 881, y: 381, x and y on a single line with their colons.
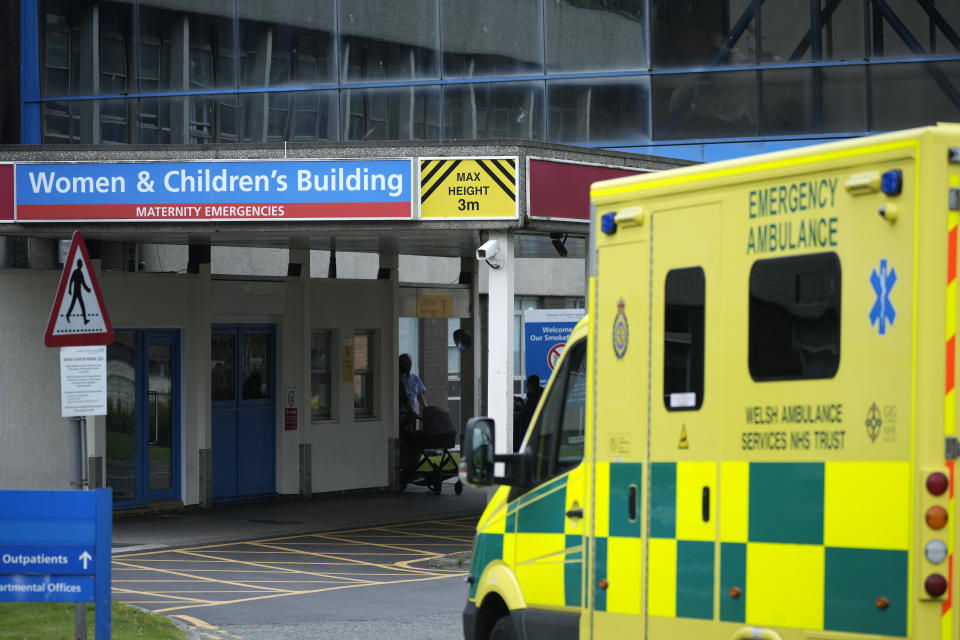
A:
x: 788, y: 234
x: 797, y: 196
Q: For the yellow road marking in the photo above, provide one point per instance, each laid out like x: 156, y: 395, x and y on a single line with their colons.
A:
x: 304, y: 593
x: 350, y: 560
x: 273, y: 569
x: 196, y: 577
x: 225, y: 554
x: 195, y: 622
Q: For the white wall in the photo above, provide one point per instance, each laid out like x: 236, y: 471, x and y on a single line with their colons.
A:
x: 33, y: 437
x: 347, y: 452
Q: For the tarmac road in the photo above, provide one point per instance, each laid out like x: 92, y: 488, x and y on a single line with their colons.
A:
x: 389, y: 581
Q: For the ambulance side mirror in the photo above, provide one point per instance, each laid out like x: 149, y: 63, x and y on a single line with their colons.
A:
x: 477, y: 458
x: 477, y: 453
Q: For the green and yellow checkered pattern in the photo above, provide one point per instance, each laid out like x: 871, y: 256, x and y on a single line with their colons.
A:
x: 809, y: 545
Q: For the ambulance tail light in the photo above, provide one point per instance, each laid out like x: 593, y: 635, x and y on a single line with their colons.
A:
x: 935, y: 585
x: 936, y: 517
x: 937, y: 483
x: 933, y: 551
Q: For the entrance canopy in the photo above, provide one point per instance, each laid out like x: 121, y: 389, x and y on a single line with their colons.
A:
x: 429, y: 199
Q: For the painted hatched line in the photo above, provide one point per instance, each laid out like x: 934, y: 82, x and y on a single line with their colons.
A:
x: 276, y: 556
x: 274, y: 569
x: 305, y: 592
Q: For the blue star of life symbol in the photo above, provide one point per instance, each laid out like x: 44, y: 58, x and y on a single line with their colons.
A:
x: 882, y: 282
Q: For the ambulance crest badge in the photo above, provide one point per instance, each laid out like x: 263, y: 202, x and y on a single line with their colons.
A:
x: 621, y: 332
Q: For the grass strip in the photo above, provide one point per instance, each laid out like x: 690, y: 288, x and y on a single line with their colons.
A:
x: 54, y: 621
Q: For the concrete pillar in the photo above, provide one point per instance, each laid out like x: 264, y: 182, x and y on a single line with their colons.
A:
x: 389, y: 269
x: 197, y: 478
x: 295, y: 359
x: 500, y: 337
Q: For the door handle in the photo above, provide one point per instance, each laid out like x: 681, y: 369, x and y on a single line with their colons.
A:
x: 575, y: 513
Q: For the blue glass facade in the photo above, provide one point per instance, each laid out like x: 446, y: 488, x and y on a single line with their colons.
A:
x: 696, y: 79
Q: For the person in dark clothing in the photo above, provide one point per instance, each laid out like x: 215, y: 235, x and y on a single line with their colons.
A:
x: 522, y: 419
x: 408, y: 437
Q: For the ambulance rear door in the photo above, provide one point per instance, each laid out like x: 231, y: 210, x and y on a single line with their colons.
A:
x: 688, y: 359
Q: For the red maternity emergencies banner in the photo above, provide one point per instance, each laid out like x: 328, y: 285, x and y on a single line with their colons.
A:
x: 214, y: 191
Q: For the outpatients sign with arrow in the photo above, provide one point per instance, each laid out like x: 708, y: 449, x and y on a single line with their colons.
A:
x: 79, y: 316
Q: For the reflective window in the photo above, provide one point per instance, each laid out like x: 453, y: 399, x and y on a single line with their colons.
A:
x: 160, y: 416
x: 212, y: 54
x: 601, y: 35
x: 558, y: 435
x: 500, y: 38
x: 493, y: 110
x: 794, y: 324
x: 121, y: 432
x: 705, y: 105
x: 683, y: 338
x: 320, y: 366
x: 792, y: 103
x: 299, y: 115
x: 702, y: 32
x: 257, y: 361
x: 580, y: 111
x: 116, y: 51
x: 913, y: 24
x: 388, y: 40
x: 933, y: 90
x: 363, y: 374
x: 187, y: 50
x: 223, y: 350
x: 785, y: 30
x: 66, y: 47
x: 212, y: 119
x: 61, y: 122
x: 286, y: 43
x: 397, y: 113
x: 154, y: 121
x: 115, y: 121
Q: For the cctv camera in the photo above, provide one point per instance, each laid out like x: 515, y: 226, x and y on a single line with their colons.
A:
x: 488, y: 250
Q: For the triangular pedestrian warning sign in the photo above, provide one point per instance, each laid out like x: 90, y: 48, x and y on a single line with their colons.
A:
x: 684, y: 444
x: 79, y: 317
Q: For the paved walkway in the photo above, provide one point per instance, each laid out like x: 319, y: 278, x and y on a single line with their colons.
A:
x: 290, y: 515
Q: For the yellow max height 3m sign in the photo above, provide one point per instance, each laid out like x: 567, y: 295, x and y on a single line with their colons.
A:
x: 476, y: 188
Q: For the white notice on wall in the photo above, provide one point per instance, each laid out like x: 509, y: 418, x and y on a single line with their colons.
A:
x: 83, y: 381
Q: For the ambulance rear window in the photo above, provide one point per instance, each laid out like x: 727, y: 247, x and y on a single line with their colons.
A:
x: 795, y: 317
x: 683, y: 324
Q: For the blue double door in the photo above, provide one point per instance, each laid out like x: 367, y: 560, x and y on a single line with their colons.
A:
x: 243, y: 392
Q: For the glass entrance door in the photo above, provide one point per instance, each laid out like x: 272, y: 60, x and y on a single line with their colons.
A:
x: 143, y: 426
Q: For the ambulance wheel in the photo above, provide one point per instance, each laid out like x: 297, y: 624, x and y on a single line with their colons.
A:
x: 504, y: 630
x: 458, y: 488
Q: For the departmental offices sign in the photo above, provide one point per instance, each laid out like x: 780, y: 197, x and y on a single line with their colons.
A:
x: 214, y: 191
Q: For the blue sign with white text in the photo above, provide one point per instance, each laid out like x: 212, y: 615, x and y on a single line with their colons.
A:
x: 216, y: 190
x: 55, y: 546
x: 47, y: 559
x: 545, y: 333
x: 46, y: 588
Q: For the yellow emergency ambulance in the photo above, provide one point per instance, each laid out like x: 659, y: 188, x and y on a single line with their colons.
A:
x: 752, y: 434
